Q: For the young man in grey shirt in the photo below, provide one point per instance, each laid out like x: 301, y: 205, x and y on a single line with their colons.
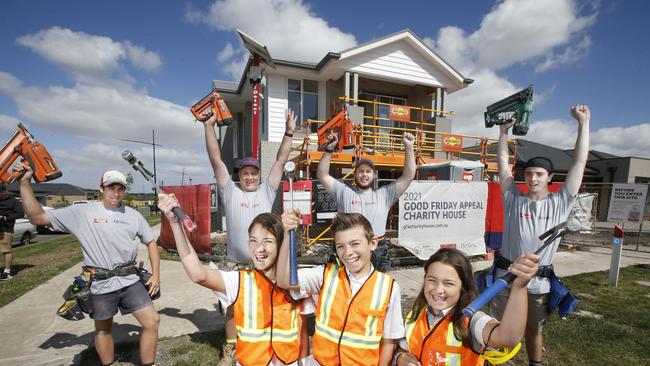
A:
x: 242, y: 204
x: 109, y: 233
x: 373, y: 204
x: 526, y: 216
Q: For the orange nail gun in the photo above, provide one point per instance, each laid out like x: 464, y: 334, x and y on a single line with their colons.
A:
x: 218, y: 105
x: 341, y: 124
x: 22, y: 144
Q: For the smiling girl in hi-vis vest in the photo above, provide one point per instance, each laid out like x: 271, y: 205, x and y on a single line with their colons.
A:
x: 437, y: 332
x: 267, y: 320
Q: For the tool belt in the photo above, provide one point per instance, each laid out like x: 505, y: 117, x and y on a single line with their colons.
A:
x: 124, y: 270
x: 77, y: 297
x: 504, y: 263
x: 104, y: 274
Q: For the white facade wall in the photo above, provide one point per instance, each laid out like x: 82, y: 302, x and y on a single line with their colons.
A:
x: 396, y: 61
x: 276, y: 88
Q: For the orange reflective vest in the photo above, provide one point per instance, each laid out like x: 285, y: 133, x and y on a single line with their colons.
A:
x: 267, y: 321
x: 349, y: 328
x: 438, y: 345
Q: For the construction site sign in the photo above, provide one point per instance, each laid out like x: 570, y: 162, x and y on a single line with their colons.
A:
x: 627, y: 203
x: 434, y: 215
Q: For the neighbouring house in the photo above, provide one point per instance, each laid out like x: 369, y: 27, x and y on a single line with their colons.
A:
x: 57, y: 194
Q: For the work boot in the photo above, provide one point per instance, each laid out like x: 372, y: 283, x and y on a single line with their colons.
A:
x: 227, y: 355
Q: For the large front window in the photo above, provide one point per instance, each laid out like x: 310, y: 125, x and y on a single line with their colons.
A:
x: 303, y: 100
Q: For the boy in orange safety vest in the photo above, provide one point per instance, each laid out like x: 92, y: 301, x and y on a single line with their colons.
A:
x: 267, y: 319
x: 358, y: 313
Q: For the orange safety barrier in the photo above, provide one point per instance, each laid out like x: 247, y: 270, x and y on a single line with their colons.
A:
x: 195, y: 201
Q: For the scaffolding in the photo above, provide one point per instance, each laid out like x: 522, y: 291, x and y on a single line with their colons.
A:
x: 379, y: 139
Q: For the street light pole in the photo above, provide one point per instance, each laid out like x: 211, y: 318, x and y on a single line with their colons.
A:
x: 155, y: 179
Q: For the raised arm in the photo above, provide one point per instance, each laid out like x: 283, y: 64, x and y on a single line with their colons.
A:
x: 33, y: 210
x: 275, y: 175
x: 513, y: 324
x: 408, y: 173
x: 214, y: 151
x: 323, y: 170
x: 191, y: 263
x: 290, y: 220
x: 581, y: 153
x: 505, y: 175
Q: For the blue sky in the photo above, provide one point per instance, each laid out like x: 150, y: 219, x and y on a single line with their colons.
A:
x: 82, y: 74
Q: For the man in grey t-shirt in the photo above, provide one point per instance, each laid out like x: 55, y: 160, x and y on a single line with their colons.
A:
x: 526, y: 216
x: 373, y: 204
x: 109, y: 234
x: 243, y: 204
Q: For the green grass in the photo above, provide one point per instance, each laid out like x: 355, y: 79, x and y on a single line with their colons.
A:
x: 37, y: 263
x: 200, y: 349
x: 620, y: 337
x: 152, y: 219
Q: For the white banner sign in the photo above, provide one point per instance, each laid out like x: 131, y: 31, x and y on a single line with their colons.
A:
x: 627, y: 202
x: 443, y: 214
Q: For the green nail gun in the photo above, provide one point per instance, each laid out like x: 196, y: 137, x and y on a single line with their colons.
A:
x: 517, y: 107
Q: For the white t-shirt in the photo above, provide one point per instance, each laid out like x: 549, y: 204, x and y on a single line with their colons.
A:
x: 373, y: 204
x: 241, y: 208
x: 231, y: 281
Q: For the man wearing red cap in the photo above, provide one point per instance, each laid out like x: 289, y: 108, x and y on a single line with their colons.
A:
x: 242, y: 204
x: 529, y: 215
x: 372, y: 203
x: 109, y: 233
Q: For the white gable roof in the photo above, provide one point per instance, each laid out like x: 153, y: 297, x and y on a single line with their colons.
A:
x: 401, y: 57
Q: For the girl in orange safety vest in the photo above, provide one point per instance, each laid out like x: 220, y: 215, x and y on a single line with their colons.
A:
x: 437, y: 332
x: 267, y: 319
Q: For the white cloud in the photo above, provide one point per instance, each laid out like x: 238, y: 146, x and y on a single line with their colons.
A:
x: 86, y: 55
x: 570, y: 55
x: 101, y: 113
x: 226, y: 53
x: 9, y: 84
x: 141, y: 58
x: 558, y: 133
x: 514, y: 31
x: 519, y: 30
x: 286, y: 27
x: 621, y: 141
x: 8, y: 124
x: 235, y: 67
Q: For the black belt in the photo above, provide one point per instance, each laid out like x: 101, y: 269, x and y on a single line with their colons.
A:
x: 104, y: 274
x: 504, y: 263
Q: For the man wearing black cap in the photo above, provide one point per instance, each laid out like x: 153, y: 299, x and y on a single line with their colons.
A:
x: 242, y: 204
x: 529, y: 215
x: 374, y: 204
x: 10, y: 210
